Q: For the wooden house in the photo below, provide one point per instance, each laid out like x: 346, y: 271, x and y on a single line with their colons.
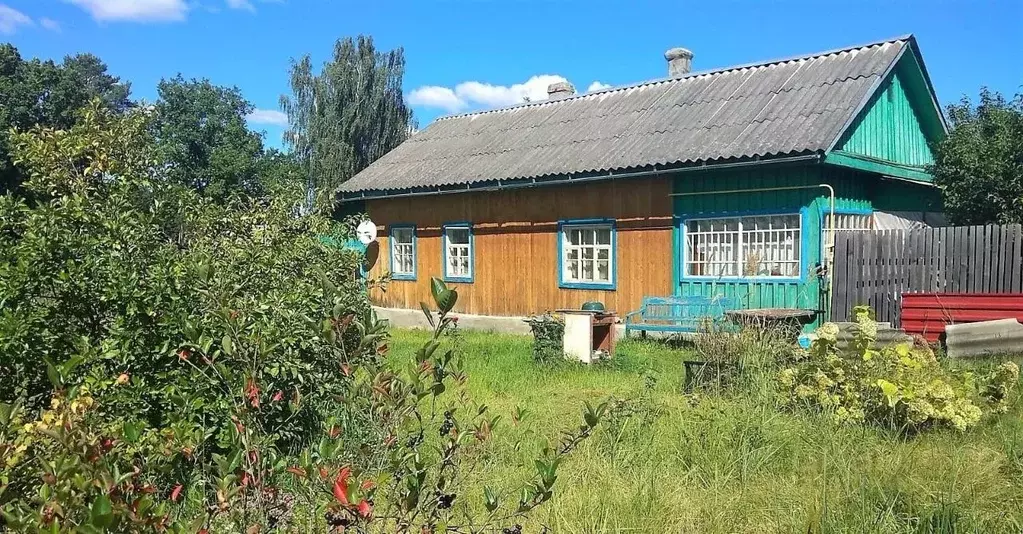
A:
x: 722, y: 182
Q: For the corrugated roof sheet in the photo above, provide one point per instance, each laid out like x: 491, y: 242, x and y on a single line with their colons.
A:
x: 775, y: 108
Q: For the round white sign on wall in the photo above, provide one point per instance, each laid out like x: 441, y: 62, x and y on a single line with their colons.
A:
x: 367, y: 232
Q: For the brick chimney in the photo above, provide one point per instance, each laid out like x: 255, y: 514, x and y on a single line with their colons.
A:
x: 559, y: 90
x: 680, y: 62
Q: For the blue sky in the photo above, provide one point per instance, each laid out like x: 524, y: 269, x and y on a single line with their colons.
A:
x: 465, y: 55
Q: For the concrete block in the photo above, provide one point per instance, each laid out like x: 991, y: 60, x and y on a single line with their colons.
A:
x: 1003, y: 336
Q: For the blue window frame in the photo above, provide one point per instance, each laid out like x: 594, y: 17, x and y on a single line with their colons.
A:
x: 402, y: 244
x: 587, y: 254
x: 458, y: 252
x: 744, y: 246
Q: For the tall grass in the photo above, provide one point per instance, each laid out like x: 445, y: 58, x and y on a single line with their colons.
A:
x: 728, y: 461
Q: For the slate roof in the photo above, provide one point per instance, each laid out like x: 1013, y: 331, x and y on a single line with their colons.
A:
x: 777, y: 108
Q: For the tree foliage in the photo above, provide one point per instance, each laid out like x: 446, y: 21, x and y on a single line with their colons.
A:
x: 204, y: 139
x: 35, y: 92
x: 979, y: 166
x: 349, y: 114
x: 175, y: 363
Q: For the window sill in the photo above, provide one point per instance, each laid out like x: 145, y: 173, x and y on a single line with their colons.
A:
x: 742, y: 279
x: 459, y: 279
x: 404, y: 277
x: 586, y: 285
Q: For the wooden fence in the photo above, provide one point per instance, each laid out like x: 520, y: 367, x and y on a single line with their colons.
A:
x: 877, y: 267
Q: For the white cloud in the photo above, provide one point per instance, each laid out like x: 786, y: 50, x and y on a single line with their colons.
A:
x: 241, y: 4
x: 433, y: 96
x: 269, y: 117
x: 134, y: 10
x: 50, y: 24
x: 483, y: 95
x: 11, y: 19
x: 597, y: 86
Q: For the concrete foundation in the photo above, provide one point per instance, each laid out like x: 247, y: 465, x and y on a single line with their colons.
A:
x: 401, y: 318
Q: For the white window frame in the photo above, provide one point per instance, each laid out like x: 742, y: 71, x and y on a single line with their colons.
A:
x: 399, y: 249
x: 737, y: 239
x: 845, y: 221
x: 466, y: 250
x: 565, y: 247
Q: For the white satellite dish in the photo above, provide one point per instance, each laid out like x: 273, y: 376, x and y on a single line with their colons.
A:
x: 367, y: 232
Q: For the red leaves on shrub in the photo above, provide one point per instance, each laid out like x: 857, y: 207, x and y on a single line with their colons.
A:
x: 334, y: 432
x: 278, y: 396
x: 367, y: 485
x: 346, y: 369
x: 345, y: 321
x: 365, y: 509
x: 382, y: 349
x: 184, y: 354
x: 176, y: 492
x: 297, y: 471
x: 252, y: 392
x: 341, y: 485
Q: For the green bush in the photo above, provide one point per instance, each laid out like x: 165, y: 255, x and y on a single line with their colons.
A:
x: 899, y: 386
x: 548, y: 338
x: 177, y: 365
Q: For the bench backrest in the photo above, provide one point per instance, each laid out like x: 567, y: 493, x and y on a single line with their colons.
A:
x: 686, y: 308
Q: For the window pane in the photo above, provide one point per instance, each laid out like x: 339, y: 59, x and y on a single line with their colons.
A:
x: 458, y: 236
x: 765, y: 245
x: 588, y: 253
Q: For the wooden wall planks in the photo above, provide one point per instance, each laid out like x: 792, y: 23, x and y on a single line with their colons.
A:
x: 516, y: 256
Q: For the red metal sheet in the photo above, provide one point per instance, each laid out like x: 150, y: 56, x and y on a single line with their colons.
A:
x: 927, y: 314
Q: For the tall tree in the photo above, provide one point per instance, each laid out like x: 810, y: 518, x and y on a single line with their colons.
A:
x: 49, y: 94
x: 349, y: 114
x: 979, y: 166
x: 204, y: 140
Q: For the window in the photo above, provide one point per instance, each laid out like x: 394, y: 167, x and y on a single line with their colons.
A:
x: 844, y: 222
x: 403, y: 252
x: 458, y: 253
x: 754, y: 246
x: 587, y: 255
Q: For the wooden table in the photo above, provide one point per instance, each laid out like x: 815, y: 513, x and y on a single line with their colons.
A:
x: 770, y: 318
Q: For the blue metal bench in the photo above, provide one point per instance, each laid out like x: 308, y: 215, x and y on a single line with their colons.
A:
x: 679, y: 314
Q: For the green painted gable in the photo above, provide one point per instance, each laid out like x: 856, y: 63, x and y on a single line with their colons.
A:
x: 894, y: 131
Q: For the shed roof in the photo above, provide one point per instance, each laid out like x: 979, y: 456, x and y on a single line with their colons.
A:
x: 776, y: 108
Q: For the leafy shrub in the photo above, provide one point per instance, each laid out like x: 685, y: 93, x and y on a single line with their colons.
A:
x: 110, y: 266
x: 177, y: 365
x: 73, y: 470
x: 900, y: 386
x: 548, y: 338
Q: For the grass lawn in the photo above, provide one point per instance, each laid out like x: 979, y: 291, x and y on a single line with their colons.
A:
x: 719, y: 463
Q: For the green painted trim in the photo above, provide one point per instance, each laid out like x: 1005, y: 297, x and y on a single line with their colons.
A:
x: 887, y: 168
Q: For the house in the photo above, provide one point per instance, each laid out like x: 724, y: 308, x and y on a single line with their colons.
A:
x: 703, y: 183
